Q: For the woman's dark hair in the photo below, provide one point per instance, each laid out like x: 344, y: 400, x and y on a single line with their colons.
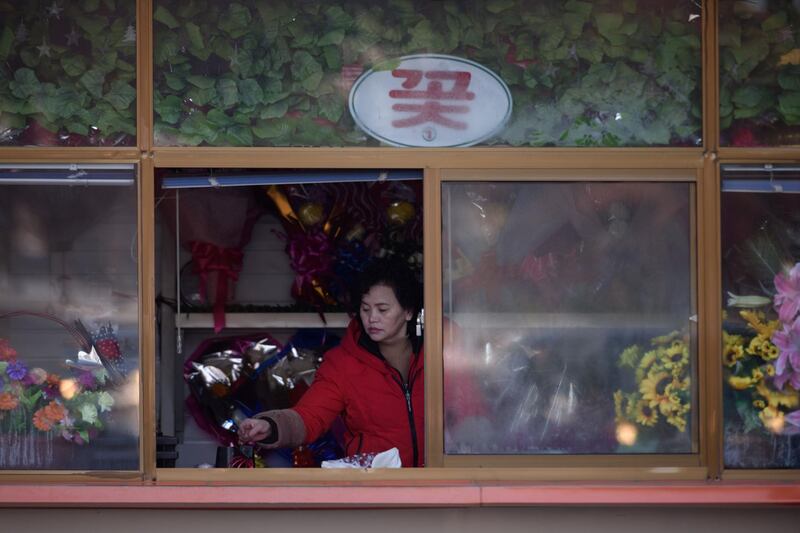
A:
x: 395, y: 274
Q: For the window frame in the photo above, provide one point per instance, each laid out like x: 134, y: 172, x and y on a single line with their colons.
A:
x: 703, y: 161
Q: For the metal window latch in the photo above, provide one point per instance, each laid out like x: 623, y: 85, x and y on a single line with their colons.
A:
x: 693, y: 318
x: 420, y: 322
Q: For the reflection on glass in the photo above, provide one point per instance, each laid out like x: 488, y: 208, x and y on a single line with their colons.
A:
x: 68, y: 73
x: 69, y: 347
x: 760, y: 72
x: 761, y: 326
x: 274, y: 73
x: 567, y: 318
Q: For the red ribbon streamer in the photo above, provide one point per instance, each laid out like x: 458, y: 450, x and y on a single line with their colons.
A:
x: 226, y: 263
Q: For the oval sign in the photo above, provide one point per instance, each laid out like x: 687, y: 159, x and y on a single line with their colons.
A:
x: 431, y: 100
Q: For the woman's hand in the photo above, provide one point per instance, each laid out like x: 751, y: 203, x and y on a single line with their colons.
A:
x: 253, y: 430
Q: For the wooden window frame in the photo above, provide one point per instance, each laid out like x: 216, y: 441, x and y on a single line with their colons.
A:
x: 444, y: 485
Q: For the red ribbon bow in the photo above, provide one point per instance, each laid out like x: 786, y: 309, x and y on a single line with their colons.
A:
x: 226, y: 263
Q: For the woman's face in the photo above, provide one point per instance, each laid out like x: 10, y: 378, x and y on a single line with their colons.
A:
x: 383, y: 317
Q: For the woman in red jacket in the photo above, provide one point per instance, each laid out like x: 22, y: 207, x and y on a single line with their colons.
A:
x: 373, y: 379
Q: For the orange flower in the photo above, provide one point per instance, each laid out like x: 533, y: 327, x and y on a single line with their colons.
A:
x: 8, y: 401
x: 41, y: 422
x: 53, y: 380
x: 54, y: 411
x: 7, y: 353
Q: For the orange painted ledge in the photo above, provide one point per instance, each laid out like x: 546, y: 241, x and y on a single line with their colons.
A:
x: 467, y: 495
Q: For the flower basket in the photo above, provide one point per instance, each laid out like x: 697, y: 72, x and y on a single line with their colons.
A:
x: 45, y: 415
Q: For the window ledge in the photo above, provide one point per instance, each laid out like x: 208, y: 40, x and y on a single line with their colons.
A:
x: 467, y: 494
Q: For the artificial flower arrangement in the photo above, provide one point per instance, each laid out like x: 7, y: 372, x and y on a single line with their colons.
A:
x: 661, y: 400
x: 74, y: 406
x: 762, y: 361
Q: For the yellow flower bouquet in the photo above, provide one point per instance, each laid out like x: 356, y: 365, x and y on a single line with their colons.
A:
x: 660, y: 402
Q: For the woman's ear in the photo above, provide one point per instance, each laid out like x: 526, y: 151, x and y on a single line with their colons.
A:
x: 409, y: 315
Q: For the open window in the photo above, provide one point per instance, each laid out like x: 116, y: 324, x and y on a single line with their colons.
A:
x: 255, y: 273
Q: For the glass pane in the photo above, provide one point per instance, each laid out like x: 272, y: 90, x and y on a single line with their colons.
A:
x: 760, y: 73
x: 69, y: 342
x: 567, y: 318
x: 761, y: 326
x: 276, y: 73
x: 68, y: 73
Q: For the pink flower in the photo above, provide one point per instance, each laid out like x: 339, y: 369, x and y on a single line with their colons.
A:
x: 787, y: 299
x: 788, y: 363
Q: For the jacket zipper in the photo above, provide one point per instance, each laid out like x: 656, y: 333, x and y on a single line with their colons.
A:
x: 406, y: 388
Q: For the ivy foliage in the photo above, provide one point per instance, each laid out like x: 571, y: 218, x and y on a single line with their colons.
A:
x: 278, y: 72
x: 760, y: 72
x: 67, y: 72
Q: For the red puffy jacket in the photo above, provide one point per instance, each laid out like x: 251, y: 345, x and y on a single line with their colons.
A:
x: 379, y: 410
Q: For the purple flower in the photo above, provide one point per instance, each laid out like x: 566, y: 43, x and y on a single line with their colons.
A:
x: 87, y: 380
x: 787, y: 299
x: 16, y: 370
x: 793, y: 418
x: 788, y: 363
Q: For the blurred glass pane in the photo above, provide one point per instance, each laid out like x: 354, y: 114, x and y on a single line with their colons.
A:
x: 68, y: 73
x: 761, y: 326
x: 275, y: 73
x: 69, y: 344
x: 759, y: 72
x: 567, y: 318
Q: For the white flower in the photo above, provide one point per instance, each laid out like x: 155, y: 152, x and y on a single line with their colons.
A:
x: 89, y: 413
x: 105, y: 401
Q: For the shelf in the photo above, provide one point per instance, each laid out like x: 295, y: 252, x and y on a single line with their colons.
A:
x: 262, y: 320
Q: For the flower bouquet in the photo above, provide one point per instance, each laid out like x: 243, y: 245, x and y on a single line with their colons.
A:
x: 73, y: 405
x: 761, y: 357
x: 660, y: 403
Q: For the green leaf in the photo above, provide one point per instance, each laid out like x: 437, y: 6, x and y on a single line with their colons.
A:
x: 629, y: 6
x: 331, y: 107
x: 271, y: 129
x: 241, y: 135
x: 250, y: 92
x: 236, y: 21
x: 333, y: 37
x: 25, y: 83
x: 162, y: 15
x: 338, y: 18
x: 775, y: 22
x: 195, y: 37
x: 6, y: 40
x: 227, y: 91
x: 387, y: 64
x: 167, y: 48
x: 498, y: 6
x: 121, y: 95
x: 93, y: 25
x: 275, y: 110
x: 90, y: 5
x: 306, y: 70
x: 198, y: 124
x: 200, y: 96
x: 202, y: 82
x: 218, y: 117
x: 573, y: 23
x: 174, y: 81
x: 333, y: 57
x: 750, y: 95
x: 608, y: 23
x: 12, y: 120
x: 59, y: 103
x: 789, y: 79
x: 73, y: 65
x: 582, y: 8
x: 169, y: 109
x: 789, y: 106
